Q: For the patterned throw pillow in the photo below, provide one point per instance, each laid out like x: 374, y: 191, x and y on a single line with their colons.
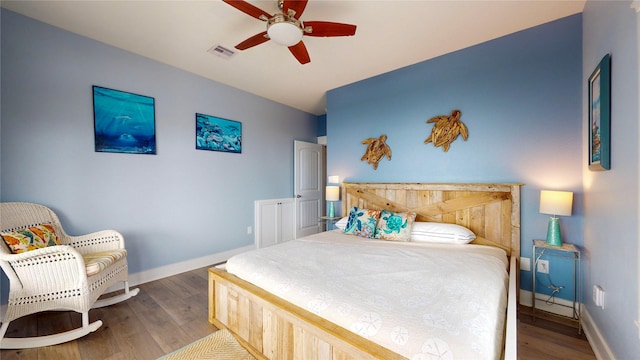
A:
x: 32, y: 238
x: 362, y: 222
x: 395, y: 226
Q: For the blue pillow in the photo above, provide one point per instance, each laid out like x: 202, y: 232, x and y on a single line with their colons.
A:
x: 395, y: 226
x: 362, y: 222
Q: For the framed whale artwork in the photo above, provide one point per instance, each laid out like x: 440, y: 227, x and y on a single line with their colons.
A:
x: 123, y: 122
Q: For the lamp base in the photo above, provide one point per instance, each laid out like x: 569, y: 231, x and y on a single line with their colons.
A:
x: 554, y: 237
x: 332, y: 211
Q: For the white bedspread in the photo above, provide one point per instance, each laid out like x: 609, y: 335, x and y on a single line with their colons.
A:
x: 423, y: 301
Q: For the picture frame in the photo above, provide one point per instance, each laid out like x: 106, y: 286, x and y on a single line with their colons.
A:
x: 218, y: 134
x: 123, y: 122
x: 599, y: 141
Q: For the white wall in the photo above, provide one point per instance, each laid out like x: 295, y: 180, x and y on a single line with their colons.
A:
x: 611, y: 204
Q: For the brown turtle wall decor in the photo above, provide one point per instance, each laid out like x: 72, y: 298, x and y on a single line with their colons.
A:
x: 376, y: 150
x: 446, y: 130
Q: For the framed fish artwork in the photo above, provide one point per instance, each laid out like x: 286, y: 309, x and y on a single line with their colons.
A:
x: 218, y: 134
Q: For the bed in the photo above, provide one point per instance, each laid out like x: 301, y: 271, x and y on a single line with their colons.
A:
x: 328, y: 326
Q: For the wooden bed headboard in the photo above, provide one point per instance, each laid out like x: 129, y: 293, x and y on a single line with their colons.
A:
x: 491, y: 211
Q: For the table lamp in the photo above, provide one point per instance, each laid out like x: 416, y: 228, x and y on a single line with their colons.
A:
x: 555, y: 203
x: 332, y: 194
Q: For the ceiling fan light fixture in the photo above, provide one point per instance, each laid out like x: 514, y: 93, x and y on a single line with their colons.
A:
x: 284, y: 30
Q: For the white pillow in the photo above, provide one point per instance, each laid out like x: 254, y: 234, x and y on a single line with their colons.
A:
x: 441, y: 233
x: 342, y: 223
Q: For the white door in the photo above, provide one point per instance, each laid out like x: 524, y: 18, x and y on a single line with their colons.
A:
x: 308, y: 173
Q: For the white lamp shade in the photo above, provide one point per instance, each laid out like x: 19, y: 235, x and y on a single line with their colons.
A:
x: 556, y: 202
x: 332, y: 193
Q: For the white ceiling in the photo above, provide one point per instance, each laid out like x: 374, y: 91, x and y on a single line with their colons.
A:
x: 391, y: 34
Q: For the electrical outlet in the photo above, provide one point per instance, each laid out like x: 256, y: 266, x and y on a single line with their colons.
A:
x: 543, y: 266
x: 525, y: 264
x: 249, y: 230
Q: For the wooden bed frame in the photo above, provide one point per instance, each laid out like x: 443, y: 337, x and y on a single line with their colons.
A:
x: 271, y: 328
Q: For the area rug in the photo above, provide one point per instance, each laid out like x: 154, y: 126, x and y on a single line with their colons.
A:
x: 220, y: 345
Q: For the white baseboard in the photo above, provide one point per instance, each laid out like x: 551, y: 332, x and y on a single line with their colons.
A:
x: 177, y: 268
x: 558, y: 306
x: 184, y: 266
x: 596, y: 340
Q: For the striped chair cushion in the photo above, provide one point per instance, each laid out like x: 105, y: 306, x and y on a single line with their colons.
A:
x: 99, y: 261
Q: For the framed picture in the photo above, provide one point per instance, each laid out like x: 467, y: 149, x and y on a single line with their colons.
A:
x: 123, y: 122
x: 218, y: 134
x: 600, y: 116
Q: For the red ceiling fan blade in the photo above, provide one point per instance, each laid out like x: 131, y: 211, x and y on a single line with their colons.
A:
x: 256, y: 39
x: 248, y: 9
x: 326, y: 28
x: 296, y: 5
x: 300, y: 52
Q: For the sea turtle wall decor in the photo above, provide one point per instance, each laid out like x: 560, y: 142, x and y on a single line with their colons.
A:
x: 376, y: 150
x: 446, y: 130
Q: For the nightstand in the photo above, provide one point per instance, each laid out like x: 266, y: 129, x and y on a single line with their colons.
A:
x: 330, y: 221
x: 567, y: 251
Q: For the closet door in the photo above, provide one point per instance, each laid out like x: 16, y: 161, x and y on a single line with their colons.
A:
x: 266, y: 222
x: 287, y: 220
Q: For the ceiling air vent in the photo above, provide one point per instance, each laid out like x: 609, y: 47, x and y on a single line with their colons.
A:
x: 222, y: 51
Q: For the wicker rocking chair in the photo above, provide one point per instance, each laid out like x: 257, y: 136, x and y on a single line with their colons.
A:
x: 68, y: 276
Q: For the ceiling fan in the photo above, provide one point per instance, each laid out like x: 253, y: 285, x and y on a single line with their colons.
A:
x: 286, y: 28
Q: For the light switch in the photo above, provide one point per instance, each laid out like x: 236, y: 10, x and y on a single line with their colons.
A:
x: 598, y: 296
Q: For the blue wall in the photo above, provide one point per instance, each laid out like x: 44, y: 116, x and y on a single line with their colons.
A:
x: 177, y: 205
x: 520, y: 97
x: 611, y: 203
x: 322, y: 125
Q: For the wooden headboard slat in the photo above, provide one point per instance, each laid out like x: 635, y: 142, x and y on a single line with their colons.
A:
x: 491, y: 211
x: 459, y: 204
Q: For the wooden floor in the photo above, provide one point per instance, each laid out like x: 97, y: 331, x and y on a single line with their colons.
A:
x: 170, y: 313
x: 550, y: 338
x: 166, y: 315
